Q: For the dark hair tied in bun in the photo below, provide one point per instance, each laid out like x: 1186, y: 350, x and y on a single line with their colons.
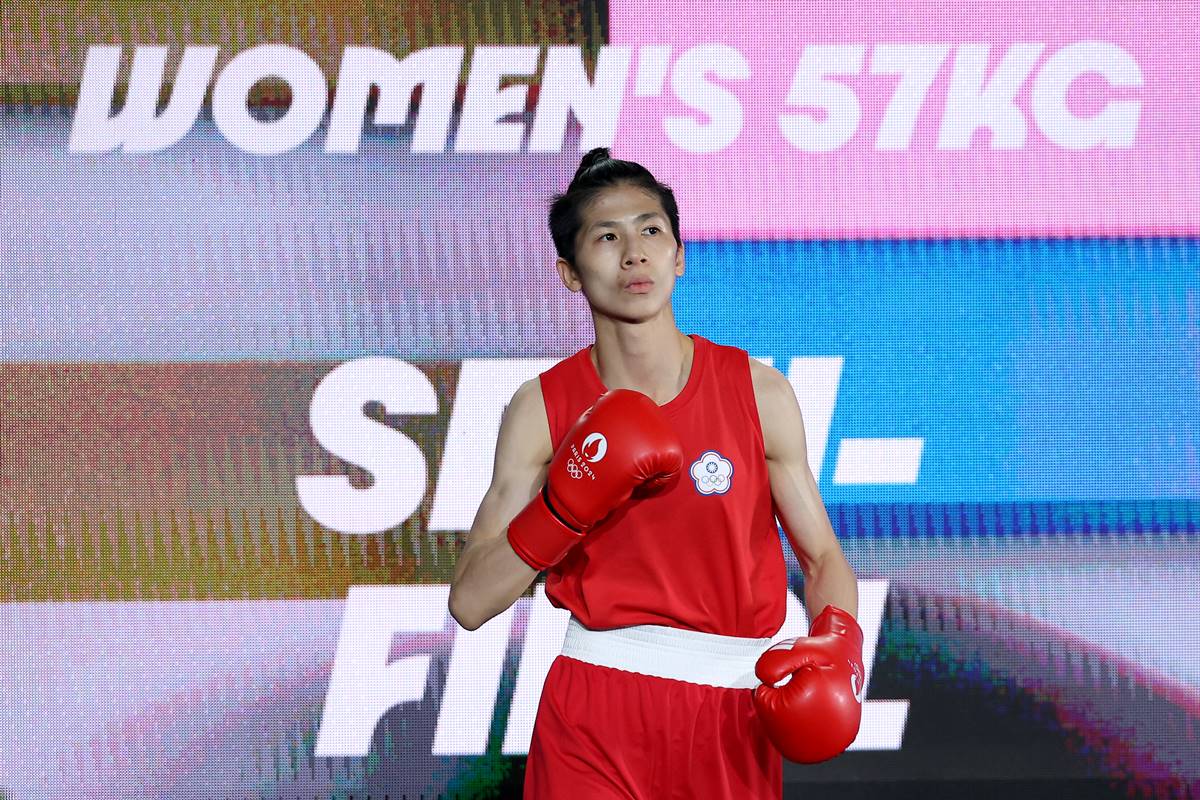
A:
x: 598, y: 171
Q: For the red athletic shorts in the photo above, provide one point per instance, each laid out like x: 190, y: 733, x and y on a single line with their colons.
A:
x: 606, y: 732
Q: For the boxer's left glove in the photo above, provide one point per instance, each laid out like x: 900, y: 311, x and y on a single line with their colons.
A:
x: 810, y: 700
x: 623, y: 442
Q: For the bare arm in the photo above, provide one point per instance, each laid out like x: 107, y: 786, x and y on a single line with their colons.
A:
x: 489, y: 576
x: 828, y: 578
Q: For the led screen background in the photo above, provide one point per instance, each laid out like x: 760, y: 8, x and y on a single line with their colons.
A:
x: 249, y: 400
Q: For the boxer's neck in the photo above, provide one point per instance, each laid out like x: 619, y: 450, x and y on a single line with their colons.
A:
x: 656, y: 363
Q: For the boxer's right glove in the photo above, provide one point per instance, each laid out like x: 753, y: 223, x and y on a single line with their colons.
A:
x: 810, y: 700
x: 621, y: 443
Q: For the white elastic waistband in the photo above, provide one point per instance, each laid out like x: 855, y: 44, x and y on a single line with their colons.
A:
x: 663, y: 652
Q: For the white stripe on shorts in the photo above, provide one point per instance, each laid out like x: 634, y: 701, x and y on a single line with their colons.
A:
x: 664, y: 652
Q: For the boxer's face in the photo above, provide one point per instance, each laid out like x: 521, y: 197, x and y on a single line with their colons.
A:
x: 626, y: 257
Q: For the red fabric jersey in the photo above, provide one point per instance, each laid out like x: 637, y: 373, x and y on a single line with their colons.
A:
x: 705, y: 555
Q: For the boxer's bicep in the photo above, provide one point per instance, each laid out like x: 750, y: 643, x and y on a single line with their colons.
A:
x: 798, y: 502
x: 523, y: 452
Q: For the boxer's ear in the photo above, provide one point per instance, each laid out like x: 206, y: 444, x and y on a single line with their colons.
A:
x: 568, y: 274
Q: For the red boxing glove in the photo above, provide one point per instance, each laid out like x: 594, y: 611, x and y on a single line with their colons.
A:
x: 810, y: 700
x: 621, y: 443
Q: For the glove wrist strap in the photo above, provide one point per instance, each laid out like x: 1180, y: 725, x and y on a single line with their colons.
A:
x: 838, y: 622
x: 539, y: 537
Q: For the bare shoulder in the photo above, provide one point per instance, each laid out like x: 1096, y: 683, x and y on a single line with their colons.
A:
x: 778, y: 411
x: 770, y: 385
x: 527, y: 395
x: 524, y: 437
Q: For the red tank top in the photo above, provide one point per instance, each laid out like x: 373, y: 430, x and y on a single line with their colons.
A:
x: 705, y: 555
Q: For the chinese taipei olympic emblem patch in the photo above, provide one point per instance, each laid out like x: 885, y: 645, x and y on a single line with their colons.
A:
x: 712, y: 473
